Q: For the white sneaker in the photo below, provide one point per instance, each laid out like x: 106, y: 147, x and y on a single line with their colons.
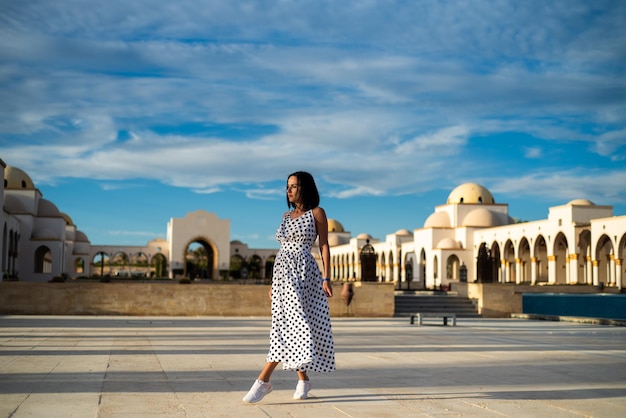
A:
x: 258, y: 390
x: 302, y: 389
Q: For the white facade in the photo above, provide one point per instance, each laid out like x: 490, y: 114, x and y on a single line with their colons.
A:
x: 40, y: 243
x: 579, y: 243
x: 469, y: 238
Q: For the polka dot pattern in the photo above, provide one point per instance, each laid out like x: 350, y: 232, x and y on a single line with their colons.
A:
x: 301, y: 335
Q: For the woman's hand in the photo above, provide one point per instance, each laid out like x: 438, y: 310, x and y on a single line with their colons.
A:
x: 328, y: 289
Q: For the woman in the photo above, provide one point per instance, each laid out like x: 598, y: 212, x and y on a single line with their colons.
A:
x: 301, y: 336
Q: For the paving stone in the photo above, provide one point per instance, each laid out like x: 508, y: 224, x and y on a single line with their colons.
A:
x: 114, y: 367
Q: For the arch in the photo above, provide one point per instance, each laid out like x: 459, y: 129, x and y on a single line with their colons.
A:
x: 138, y: 263
x: 101, y: 263
x: 509, y: 262
x: 254, y: 267
x: 79, y: 265
x: 603, y: 255
x: 585, y: 269
x: 43, y: 260
x: 561, y: 255
x: 120, y: 264
x: 422, y: 269
x: 200, y: 259
x: 368, y: 260
x: 236, y: 265
x: 540, y: 252
x: 485, y: 265
x: 452, y: 268
x: 408, y: 269
x: 158, y: 266
x: 269, y: 267
x: 497, y: 265
x: 524, y: 262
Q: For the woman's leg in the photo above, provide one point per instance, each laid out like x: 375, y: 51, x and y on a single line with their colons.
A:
x: 267, y: 371
x: 302, y: 376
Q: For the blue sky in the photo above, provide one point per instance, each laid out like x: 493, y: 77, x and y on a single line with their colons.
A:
x: 126, y: 114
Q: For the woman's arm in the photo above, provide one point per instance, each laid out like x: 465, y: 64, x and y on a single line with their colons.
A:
x: 321, y: 225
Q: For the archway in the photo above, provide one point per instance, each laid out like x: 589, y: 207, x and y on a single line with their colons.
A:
x: 254, y: 267
x: 560, y: 258
x: 100, y: 264
x: 408, y: 271
x: 509, y: 260
x: 199, y: 260
x: 158, y: 266
x: 79, y: 265
x: 485, y: 265
x: 541, y: 260
x: 368, y: 263
x: 524, y: 259
x: 120, y: 263
x: 139, y: 265
x: 269, y: 267
x: 604, y: 250
x: 585, y: 270
x: 496, y: 257
x: 43, y: 260
x: 236, y: 266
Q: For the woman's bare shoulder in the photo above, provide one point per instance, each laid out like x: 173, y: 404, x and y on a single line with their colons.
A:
x: 319, y: 213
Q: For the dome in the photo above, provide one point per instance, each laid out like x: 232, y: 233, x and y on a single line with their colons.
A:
x: 448, y: 243
x: 14, y: 205
x: 483, y: 218
x: 81, y: 237
x: 438, y: 220
x: 364, y: 236
x: 581, y: 202
x: 335, y: 226
x: 68, y: 220
x: 46, y: 208
x: 16, y: 179
x: 403, y: 232
x: 471, y: 193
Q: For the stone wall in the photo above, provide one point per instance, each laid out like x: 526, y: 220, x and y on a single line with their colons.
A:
x: 174, y: 299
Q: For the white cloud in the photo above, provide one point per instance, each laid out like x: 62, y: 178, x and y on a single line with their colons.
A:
x: 376, y: 97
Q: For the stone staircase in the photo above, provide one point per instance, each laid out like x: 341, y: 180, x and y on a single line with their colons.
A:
x: 409, y: 303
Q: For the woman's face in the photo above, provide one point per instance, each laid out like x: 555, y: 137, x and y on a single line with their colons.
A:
x: 293, y: 190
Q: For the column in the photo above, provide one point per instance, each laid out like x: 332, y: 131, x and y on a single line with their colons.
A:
x: 533, y: 270
x: 551, y: 269
x: 573, y: 269
x: 611, y: 273
x: 618, y: 272
x: 518, y: 270
x: 589, y: 270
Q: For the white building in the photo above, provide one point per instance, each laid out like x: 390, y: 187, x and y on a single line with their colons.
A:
x: 469, y: 238
x: 40, y: 243
x: 473, y: 238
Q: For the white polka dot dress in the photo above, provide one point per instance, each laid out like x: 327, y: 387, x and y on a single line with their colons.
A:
x: 301, y: 335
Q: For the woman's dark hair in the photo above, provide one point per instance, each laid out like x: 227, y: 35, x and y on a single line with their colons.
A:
x: 308, y: 190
